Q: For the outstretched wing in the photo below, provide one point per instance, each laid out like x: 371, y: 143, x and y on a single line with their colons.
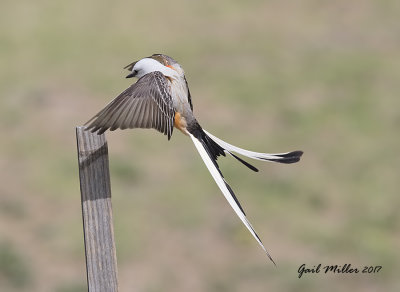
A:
x: 146, y: 104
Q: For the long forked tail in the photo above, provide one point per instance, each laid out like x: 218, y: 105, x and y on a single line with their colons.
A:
x: 287, y: 157
x: 209, y: 151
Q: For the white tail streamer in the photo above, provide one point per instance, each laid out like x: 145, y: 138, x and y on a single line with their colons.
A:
x: 230, y: 197
x: 247, y: 153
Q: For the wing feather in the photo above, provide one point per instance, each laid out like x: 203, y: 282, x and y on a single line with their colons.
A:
x: 145, y: 104
x: 125, y: 116
x: 144, y: 114
x: 136, y: 116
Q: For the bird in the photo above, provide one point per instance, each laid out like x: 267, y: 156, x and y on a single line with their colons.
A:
x: 160, y: 99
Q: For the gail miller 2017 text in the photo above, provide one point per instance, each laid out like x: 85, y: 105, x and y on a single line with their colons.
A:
x: 337, y: 269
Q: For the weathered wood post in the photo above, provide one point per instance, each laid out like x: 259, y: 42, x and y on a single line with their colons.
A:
x: 101, y: 260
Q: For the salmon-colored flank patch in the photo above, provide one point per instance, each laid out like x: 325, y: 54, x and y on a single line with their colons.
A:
x: 180, y: 123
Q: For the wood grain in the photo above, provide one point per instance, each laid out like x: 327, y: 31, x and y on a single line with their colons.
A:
x: 101, y: 260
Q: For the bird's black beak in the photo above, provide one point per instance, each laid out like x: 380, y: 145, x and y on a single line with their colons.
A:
x: 131, y: 75
x: 130, y: 68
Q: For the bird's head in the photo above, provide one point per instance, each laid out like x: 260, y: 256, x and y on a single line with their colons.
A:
x: 157, y: 62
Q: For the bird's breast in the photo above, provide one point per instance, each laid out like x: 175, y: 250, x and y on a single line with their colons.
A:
x: 179, y: 94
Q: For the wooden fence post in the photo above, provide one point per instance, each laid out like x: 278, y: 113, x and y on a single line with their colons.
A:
x: 101, y: 260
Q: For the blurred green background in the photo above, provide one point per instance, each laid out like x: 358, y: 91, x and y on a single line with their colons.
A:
x: 273, y: 76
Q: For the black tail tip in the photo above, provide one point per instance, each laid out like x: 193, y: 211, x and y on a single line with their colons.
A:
x: 290, y: 157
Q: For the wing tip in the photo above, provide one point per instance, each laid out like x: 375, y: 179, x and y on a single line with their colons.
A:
x: 95, y: 129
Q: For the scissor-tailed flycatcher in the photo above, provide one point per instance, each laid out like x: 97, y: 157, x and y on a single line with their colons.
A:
x: 161, y: 99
